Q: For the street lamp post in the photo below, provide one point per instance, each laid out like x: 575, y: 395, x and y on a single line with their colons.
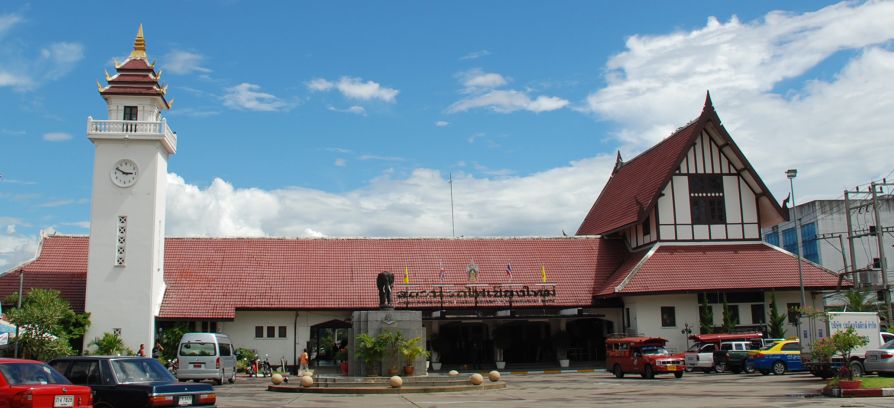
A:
x: 791, y: 174
x: 21, y: 284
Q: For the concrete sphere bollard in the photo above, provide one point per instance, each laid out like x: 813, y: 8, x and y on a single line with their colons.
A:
x: 276, y: 379
x: 307, y: 381
x: 493, y: 376
x: 453, y: 373
x: 396, y: 381
x: 476, y: 379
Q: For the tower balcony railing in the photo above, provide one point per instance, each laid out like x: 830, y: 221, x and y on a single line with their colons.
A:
x: 133, y: 129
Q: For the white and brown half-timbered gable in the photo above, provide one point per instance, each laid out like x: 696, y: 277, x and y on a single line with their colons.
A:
x: 694, y: 186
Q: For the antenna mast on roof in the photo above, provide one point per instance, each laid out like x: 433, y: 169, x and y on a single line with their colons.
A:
x: 452, y: 220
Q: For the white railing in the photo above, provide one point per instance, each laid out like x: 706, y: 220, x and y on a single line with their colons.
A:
x: 130, y: 126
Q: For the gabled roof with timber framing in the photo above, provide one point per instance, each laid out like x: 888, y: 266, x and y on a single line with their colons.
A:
x: 633, y: 189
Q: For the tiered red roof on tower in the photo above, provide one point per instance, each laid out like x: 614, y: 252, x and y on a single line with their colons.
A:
x: 136, y: 76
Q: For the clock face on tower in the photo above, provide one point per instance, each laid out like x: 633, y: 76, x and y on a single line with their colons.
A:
x: 124, y: 173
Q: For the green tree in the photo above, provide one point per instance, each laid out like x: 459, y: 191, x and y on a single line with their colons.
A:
x: 729, y: 324
x: 845, y: 341
x: 777, y: 320
x: 706, y: 316
x: 170, y: 339
x: 41, y: 322
x: 109, y: 344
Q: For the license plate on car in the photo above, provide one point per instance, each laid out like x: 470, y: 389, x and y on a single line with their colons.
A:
x: 64, y: 401
x: 872, y: 357
x: 185, y: 400
x: 671, y: 367
x: 197, y: 366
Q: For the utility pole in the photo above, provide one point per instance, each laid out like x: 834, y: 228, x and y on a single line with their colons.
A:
x: 850, y: 238
x: 879, y: 234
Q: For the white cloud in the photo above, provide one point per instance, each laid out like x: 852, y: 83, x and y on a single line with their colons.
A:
x: 63, y: 53
x: 319, y: 84
x: 181, y: 62
x: 508, y: 101
x: 10, y: 229
x: 418, y: 205
x: 16, y: 248
x: 830, y: 128
x: 355, y: 88
x: 481, y: 87
x: 442, y: 123
x: 56, y: 137
x: 248, y: 97
x: 475, y: 55
x: 476, y: 79
x: 8, y: 21
x: 357, y: 110
x: 341, y: 162
x: 15, y: 80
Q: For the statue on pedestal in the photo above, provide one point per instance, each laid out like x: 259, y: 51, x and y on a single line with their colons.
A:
x: 385, y: 282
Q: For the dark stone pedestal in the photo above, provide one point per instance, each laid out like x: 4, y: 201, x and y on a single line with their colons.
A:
x: 372, y: 322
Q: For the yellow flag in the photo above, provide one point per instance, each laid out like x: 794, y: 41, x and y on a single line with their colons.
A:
x: 406, y: 275
x: 543, y: 273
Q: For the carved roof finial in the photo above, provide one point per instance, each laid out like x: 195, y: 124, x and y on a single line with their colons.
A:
x: 709, y: 106
x: 139, y: 45
x: 618, y: 162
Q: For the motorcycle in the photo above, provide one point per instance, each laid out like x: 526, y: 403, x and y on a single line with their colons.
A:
x: 266, y: 369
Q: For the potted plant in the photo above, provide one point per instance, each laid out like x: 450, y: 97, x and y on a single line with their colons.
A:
x: 370, y: 350
x: 562, y: 340
x: 845, y: 342
x: 411, y: 349
x: 821, y: 358
x: 502, y: 340
x: 391, y: 342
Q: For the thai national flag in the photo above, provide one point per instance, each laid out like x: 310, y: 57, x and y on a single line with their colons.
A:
x: 509, y: 270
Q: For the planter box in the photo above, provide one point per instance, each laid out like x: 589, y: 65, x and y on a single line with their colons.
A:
x: 849, y: 384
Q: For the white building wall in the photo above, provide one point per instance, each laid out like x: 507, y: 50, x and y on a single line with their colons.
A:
x: 242, y: 331
x: 645, y: 314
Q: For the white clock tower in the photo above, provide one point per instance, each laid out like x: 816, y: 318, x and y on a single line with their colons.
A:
x: 125, y: 271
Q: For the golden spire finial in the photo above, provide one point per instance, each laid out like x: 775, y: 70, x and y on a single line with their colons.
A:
x: 139, y: 45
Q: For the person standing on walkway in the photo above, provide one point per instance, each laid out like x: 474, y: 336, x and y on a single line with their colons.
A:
x: 303, y: 361
x: 142, y: 352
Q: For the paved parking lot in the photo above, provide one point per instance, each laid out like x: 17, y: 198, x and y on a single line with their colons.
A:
x: 576, y: 390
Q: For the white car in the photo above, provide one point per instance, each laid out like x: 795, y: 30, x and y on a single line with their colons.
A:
x: 880, y: 360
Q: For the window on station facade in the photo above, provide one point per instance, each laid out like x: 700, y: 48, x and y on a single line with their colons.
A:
x: 733, y: 311
x: 668, y: 316
x: 130, y: 113
x: 706, y: 199
x: 647, y: 226
x: 772, y: 238
x: 271, y: 331
x: 259, y: 332
x: 282, y: 331
x: 758, y: 315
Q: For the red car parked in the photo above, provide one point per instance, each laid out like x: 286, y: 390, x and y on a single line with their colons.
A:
x: 29, y: 383
x: 643, y: 355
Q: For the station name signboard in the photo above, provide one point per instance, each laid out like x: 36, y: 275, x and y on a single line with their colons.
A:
x: 476, y: 295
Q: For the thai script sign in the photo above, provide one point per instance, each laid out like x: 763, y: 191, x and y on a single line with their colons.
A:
x: 477, y: 295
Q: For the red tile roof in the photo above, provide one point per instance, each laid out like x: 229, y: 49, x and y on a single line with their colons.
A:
x: 210, y: 278
x: 696, y: 268
x: 62, y: 265
x: 634, y: 187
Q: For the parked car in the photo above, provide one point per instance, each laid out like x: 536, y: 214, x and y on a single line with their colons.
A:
x: 701, y: 355
x: 645, y: 356
x: 777, y: 358
x: 733, y: 356
x: 206, y: 356
x: 125, y: 382
x: 880, y: 360
x: 29, y: 383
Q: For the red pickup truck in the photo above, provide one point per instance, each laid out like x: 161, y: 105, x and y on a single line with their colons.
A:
x: 645, y: 356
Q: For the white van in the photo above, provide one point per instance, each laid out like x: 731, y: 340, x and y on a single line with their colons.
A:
x: 206, y: 356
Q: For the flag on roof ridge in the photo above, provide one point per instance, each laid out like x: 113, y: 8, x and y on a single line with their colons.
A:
x: 509, y: 270
x: 543, y: 273
x: 406, y: 275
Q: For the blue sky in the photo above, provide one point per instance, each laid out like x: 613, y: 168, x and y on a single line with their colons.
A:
x: 345, y: 118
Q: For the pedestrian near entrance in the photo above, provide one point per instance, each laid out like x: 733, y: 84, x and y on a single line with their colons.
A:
x: 142, y: 352
x: 157, y: 350
x: 303, y: 361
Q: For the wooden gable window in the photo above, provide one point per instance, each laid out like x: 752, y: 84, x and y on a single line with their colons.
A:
x: 706, y: 199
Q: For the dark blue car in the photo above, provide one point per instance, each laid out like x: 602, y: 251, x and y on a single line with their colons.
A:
x: 132, y: 382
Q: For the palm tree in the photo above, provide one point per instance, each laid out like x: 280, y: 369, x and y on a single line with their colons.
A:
x: 856, y: 300
x: 109, y: 344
